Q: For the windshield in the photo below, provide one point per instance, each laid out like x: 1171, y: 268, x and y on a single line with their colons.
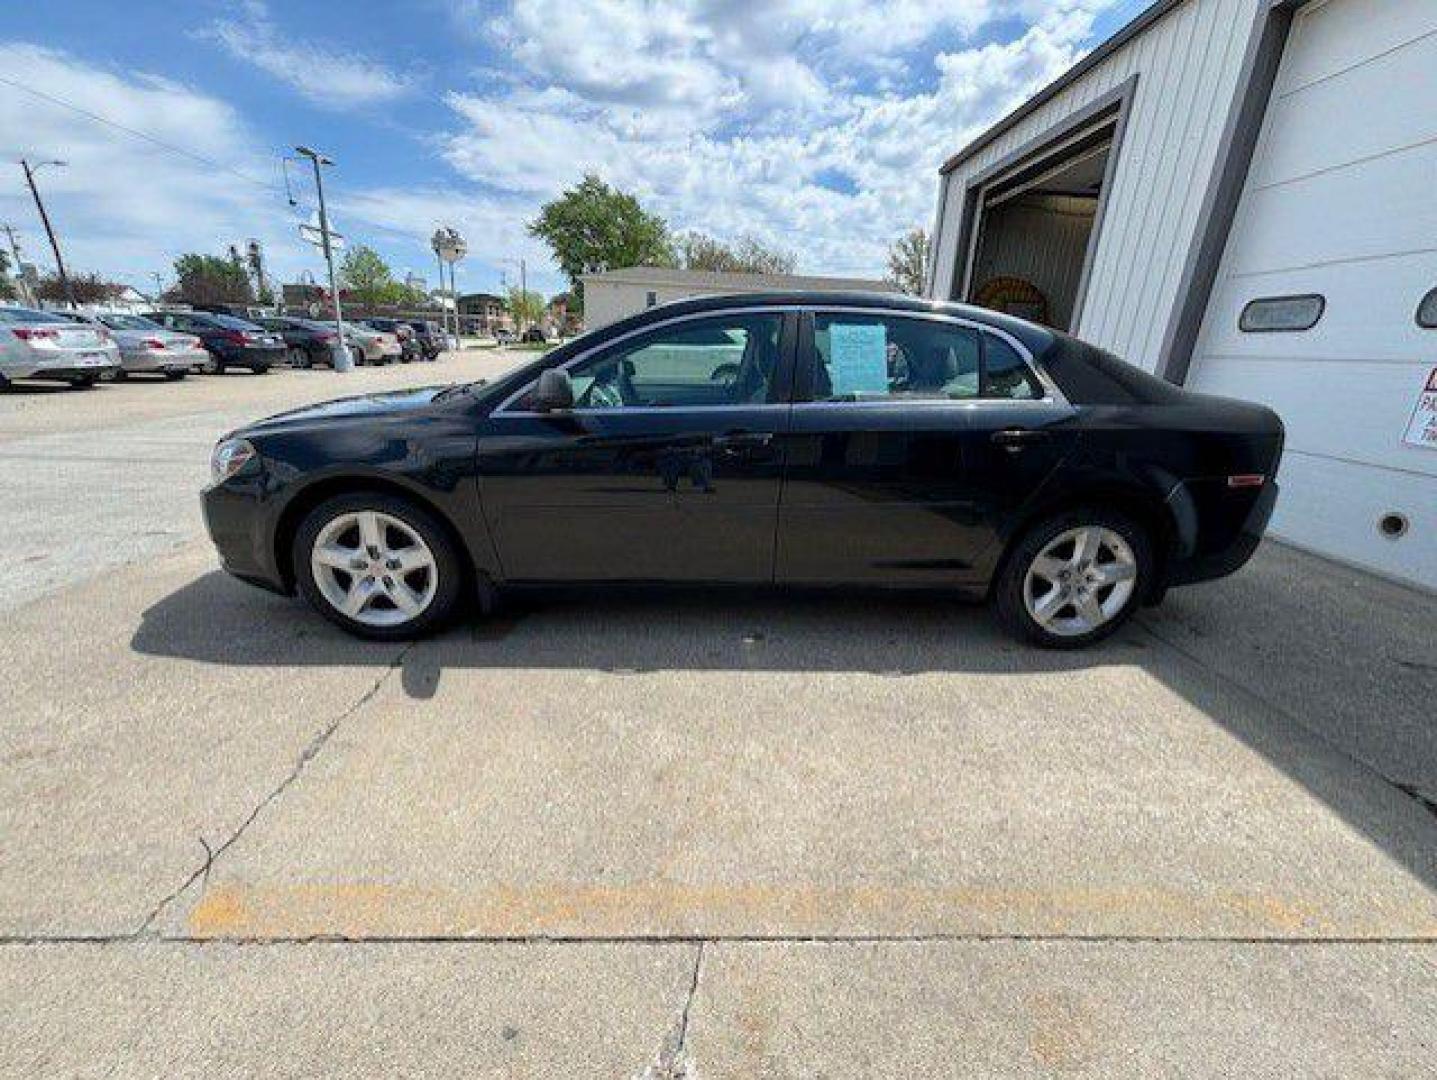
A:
x: 229, y: 322
x: 129, y: 322
x: 28, y: 315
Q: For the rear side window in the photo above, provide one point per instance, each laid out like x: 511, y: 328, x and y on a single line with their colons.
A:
x: 1005, y: 374
x: 1281, y: 314
x: 1427, y: 311
x: 871, y: 357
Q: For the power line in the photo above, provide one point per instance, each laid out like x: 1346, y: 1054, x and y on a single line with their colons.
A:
x: 200, y: 158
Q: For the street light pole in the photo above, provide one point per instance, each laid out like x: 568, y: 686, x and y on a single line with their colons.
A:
x: 30, y: 172
x: 318, y: 159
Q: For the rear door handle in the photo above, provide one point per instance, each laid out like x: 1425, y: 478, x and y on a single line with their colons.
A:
x: 1015, y: 439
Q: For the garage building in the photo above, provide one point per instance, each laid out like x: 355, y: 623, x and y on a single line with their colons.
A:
x: 1241, y: 196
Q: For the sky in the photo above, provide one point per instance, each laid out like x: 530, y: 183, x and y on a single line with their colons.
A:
x: 817, y: 126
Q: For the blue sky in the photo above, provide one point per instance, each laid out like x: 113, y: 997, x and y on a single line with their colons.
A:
x: 815, y: 125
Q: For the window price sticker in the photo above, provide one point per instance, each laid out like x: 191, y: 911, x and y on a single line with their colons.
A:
x: 1422, y: 428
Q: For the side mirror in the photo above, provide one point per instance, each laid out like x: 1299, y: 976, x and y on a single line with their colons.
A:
x: 555, y: 391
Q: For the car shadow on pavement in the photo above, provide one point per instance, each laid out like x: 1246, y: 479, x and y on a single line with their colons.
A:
x: 1325, y: 672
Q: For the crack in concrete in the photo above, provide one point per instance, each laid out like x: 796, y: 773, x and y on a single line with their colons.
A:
x: 673, y: 1061
x: 308, y: 754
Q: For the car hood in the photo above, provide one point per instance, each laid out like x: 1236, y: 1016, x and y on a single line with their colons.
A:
x: 363, y: 406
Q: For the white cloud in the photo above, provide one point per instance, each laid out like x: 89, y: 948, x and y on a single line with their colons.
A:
x: 732, y: 116
x: 123, y: 205
x: 325, y: 76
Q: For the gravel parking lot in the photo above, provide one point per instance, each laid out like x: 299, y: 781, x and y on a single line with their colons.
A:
x: 682, y: 834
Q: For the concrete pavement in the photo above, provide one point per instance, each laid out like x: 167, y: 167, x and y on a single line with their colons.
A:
x: 714, y: 835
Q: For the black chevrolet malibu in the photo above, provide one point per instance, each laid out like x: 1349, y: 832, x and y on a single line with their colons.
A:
x: 790, y: 439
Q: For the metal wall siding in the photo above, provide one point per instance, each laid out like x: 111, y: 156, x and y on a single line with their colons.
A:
x: 1188, y: 66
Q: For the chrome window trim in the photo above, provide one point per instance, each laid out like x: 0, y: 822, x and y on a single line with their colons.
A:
x: 1052, y: 395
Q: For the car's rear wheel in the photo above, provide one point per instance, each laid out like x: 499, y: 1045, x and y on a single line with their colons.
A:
x: 214, y: 366
x: 1074, y: 578
x: 84, y: 382
x: 298, y: 358
x: 258, y: 369
x: 176, y: 374
x: 378, y: 566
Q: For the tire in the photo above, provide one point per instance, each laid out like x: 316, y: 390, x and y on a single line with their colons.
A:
x: 1111, y: 584
x: 357, y: 355
x: 214, y: 366
x: 176, y: 375
x: 259, y: 369
x: 438, y: 586
x: 84, y: 382
x: 118, y: 375
x: 298, y: 358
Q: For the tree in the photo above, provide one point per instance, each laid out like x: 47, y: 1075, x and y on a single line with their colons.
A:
x: 908, y: 262
x: 367, y: 276
x: 593, y: 227
x: 88, y: 289
x: 210, y: 279
x: 7, y: 287
x: 526, y: 307
x: 698, y: 251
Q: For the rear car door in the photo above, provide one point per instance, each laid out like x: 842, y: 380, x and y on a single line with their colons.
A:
x: 892, y: 473
x: 668, y: 467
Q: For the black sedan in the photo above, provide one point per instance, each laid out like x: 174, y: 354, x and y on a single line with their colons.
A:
x: 231, y: 342
x: 789, y: 439
x: 306, y: 341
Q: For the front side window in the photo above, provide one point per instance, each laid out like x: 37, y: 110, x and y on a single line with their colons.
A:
x: 872, y: 357
x: 720, y: 361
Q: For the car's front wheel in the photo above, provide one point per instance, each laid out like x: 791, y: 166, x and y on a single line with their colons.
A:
x: 378, y: 566
x: 1075, y: 578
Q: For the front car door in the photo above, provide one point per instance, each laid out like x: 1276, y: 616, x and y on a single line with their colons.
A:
x: 891, y: 477
x: 667, y: 468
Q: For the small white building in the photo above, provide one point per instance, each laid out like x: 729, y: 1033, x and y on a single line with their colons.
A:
x: 1241, y: 196
x: 617, y: 294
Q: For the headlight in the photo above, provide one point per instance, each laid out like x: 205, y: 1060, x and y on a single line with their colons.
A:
x: 230, y: 457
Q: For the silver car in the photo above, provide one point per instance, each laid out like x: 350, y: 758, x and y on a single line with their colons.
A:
x: 48, y: 346
x: 148, y: 346
x: 370, y: 346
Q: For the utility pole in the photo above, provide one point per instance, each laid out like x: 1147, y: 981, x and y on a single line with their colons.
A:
x: 30, y: 172
x: 319, y: 159
x: 20, y: 282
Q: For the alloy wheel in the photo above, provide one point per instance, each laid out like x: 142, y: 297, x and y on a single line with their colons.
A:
x: 1081, y: 580
x: 374, y: 568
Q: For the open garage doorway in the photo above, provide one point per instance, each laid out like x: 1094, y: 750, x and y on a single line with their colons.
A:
x: 1034, y: 223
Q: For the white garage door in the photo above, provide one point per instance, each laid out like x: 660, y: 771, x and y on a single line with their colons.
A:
x: 1341, y: 202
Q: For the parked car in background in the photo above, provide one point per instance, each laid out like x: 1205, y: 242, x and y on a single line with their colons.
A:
x: 504, y: 337
x: 43, y: 345
x: 369, y: 346
x: 430, y: 338
x: 409, y: 346
x: 231, y: 342
x: 535, y: 336
x: 147, y: 346
x: 306, y: 341
x: 803, y: 439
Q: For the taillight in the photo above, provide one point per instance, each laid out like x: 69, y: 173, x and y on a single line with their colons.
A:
x: 327, y: 339
x: 235, y: 337
x: 34, y: 333
x: 1245, y: 480
x: 153, y: 343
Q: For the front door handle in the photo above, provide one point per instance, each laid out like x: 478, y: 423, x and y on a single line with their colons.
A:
x: 1015, y: 439
x: 743, y: 440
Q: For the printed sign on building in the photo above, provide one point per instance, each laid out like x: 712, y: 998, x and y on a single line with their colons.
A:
x: 1422, y: 429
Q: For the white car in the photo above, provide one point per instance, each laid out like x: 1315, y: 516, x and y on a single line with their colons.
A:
x: 39, y: 345
x: 147, y: 346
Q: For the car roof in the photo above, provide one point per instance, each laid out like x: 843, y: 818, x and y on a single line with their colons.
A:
x: 1036, y: 339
